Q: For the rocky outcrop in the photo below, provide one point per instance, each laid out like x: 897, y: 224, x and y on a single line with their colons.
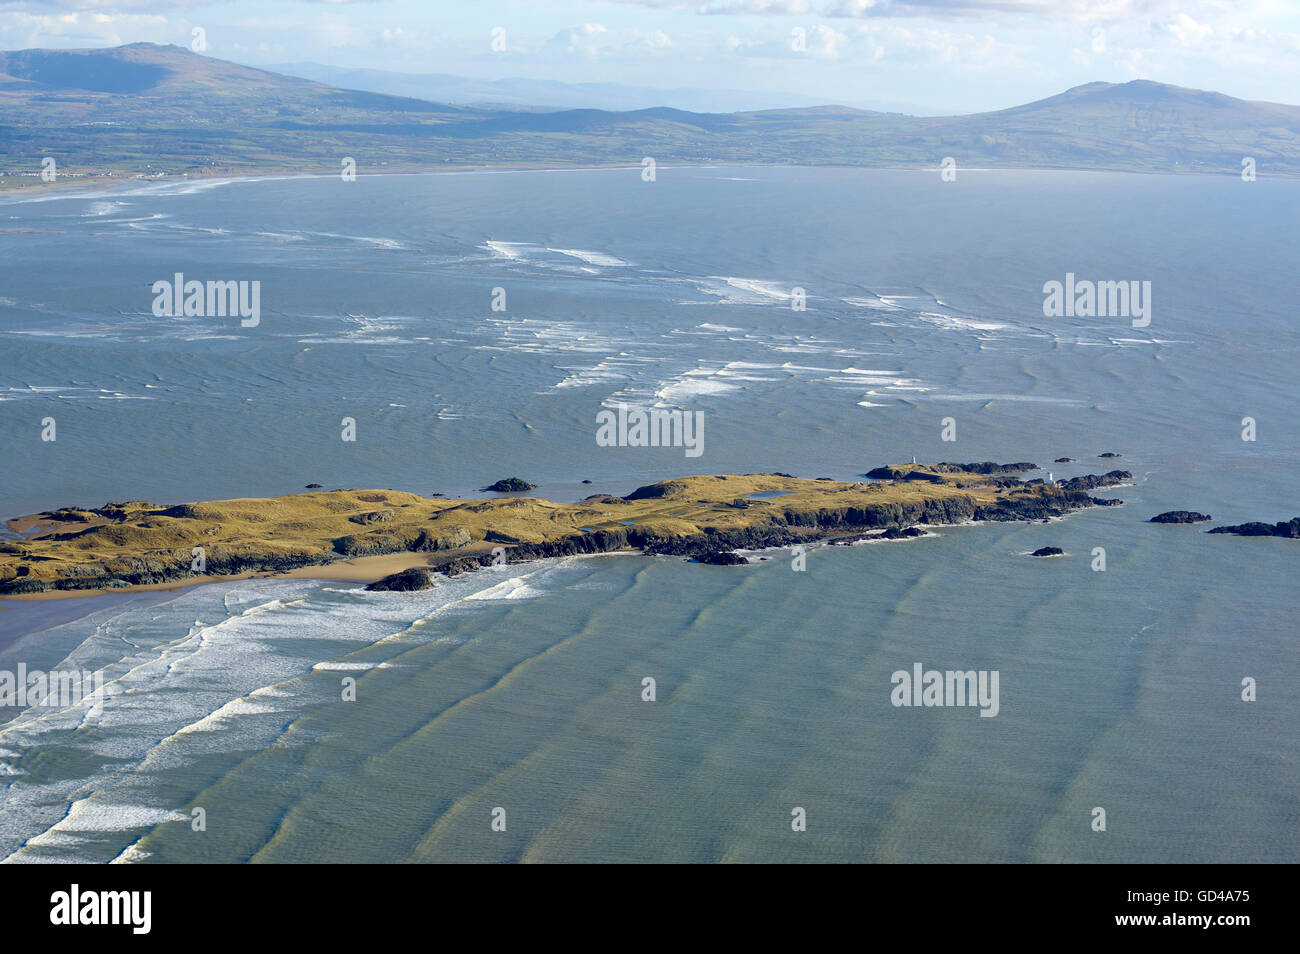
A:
x: 1108, y: 454
x: 379, y: 542
x: 1289, y: 529
x: 1063, y: 460
x: 984, y: 468
x: 1180, y: 516
x: 1093, y: 481
x: 1048, y: 552
x: 664, y: 488
x: 722, y: 558
x: 416, y: 578
x: 510, y: 485
x: 377, y: 516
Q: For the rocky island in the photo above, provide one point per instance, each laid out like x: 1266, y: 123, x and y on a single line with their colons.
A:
x: 137, y: 543
x: 1290, y: 529
x: 1180, y: 516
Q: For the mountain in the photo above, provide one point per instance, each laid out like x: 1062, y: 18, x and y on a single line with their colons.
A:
x: 148, y: 109
x: 549, y: 94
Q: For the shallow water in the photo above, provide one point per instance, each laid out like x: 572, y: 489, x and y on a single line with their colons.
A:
x: 521, y: 687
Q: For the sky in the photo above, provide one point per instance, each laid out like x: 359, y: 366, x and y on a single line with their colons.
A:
x: 922, y: 56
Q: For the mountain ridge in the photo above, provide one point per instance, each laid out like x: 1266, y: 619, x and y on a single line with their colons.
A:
x: 147, y: 109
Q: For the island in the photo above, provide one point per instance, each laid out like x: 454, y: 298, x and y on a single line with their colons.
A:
x: 1289, y: 529
x: 1180, y: 516
x: 370, y: 534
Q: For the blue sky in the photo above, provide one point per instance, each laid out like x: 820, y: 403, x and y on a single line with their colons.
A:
x: 926, y: 55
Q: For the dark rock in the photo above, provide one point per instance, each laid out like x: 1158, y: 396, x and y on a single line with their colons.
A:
x: 1093, y: 481
x: 894, y: 533
x: 586, y: 481
x: 23, y: 585
x: 510, y: 485
x: 1108, y: 454
x: 1180, y: 516
x: 721, y: 558
x: 313, y: 487
x: 984, y: 468
x: 1289, y: 529
x: 1063, y: 460
x: 416, y: 578
x: 1048, y: 552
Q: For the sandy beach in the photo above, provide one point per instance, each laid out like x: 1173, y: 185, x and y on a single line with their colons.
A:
x: 357, y: 570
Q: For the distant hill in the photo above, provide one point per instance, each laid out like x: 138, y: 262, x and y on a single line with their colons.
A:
x: 545, y: 94
x: 148, y: 109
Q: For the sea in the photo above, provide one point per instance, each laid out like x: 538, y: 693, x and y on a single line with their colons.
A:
x: 471, y: 325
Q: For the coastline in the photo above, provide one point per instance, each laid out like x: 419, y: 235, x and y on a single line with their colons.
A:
x: 93, y: 184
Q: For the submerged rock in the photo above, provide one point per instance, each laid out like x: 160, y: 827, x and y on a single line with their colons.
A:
x: 1048, y: 552
x: 1180, y: 516
x: 510, y: 485
x: 1108, y: 454
x: 313, y: 487
x: 416, y: 578
x: 1063, y: 460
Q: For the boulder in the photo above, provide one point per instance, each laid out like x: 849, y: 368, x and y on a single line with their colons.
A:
x: 416, y: 578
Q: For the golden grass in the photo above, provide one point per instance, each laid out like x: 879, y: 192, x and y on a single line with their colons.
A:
x: 310, y: 523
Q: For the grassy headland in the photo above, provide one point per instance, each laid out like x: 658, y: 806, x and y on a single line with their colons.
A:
x: 136, y: 543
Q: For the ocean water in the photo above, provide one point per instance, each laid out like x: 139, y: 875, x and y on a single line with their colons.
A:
x: 520, y: 687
